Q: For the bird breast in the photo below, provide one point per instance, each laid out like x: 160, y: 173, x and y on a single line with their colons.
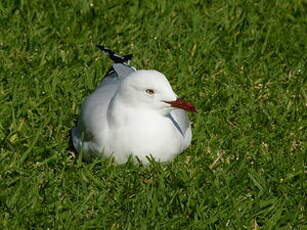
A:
x: 142, y: 133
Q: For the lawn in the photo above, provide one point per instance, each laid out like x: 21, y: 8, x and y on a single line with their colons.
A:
x: 242, y: 63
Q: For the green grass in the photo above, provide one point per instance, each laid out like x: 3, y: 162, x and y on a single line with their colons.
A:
x: 242, y: 63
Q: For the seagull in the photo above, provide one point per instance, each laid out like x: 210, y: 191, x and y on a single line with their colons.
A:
x: 133, y: 112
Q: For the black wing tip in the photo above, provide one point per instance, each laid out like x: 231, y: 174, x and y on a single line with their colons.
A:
x: 115, y: 57
x: 128, y: 57
x: 103, y: 48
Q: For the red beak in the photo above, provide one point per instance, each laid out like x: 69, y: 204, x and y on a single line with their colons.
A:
x: 182, y: 104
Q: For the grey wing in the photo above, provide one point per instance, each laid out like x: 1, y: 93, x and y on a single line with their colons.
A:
x: 183, y: 124
x: 95, y: 107
x: 98, y: 102
x: 118, y: 71
x: 123, y: 70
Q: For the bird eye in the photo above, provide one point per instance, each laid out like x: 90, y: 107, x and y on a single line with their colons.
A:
x: 149, y: 91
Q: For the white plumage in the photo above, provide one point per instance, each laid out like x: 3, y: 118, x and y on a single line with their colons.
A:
x: 133, y: 112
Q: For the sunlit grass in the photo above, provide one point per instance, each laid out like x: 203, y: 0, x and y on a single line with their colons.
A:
x: 242, y: 63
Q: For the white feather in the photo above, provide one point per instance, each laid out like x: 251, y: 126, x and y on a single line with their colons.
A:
x: 118, y: 119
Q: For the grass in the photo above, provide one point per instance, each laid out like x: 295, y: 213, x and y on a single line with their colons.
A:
x: 242, y: 63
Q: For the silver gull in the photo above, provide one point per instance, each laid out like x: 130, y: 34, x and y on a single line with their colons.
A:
x: 133, y: 112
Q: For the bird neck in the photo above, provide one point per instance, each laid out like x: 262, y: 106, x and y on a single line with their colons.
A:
x: 121, y: 113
